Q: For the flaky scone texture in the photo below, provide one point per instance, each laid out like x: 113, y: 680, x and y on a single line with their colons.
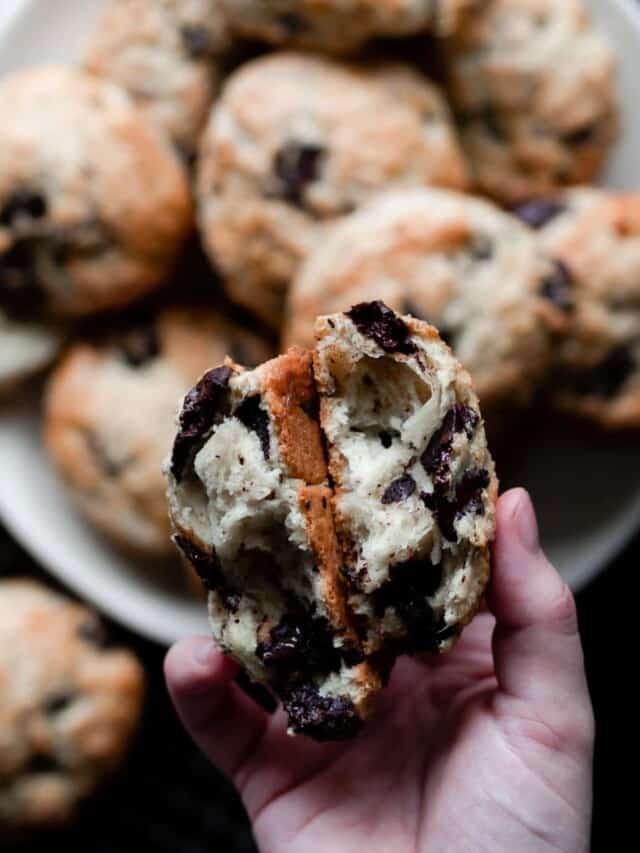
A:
x: 252, y: 511
x: 318, y: 582
x: 415, y: 485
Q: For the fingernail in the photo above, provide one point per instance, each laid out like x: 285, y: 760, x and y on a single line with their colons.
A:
x: 202, y: 651
x: 526, y: 523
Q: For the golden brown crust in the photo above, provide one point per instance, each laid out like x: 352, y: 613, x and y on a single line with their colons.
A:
x: 289, y: 387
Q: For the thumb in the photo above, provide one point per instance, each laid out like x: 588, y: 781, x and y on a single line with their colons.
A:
x: 537, y: 650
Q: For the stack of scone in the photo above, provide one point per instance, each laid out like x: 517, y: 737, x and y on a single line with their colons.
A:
x: 215, y: 175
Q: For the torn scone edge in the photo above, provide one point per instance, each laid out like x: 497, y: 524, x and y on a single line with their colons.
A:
x: 334, y: 707
x: 401, y: 339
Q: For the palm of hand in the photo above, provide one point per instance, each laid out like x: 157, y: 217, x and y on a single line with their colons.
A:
x: 436, y: 769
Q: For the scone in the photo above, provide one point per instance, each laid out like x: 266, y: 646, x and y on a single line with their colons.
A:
x: 533, y: 85
x: 252, y: 511
x: 317, y: 583
x: 165, y: 53
x: 69, y: 708
x: 296, y: 141
x: 25, y: 349
x: 415, y: 485
x: 595, y: 234
x: 341, y: 25
x: 458, y: 262
x: 110, y: 414
x: 94, y: 204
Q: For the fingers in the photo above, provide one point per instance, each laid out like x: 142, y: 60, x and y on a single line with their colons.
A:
x: 220, y: 718
x: 537, y: 650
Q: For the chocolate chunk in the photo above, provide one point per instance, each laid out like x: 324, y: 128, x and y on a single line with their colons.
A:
x: 351, y: 654
x: 197, y: 41
x: 141, y: 345
x: 297, y: 165
x: 292, y: 24
x: 299, y: 644
x: 435, y: 459
x: 205, y: 563
x: 605, y: 379
x: 581, y: 136
x: 93, y: 631
x: 399, y: 490
x: 204, y: 407
x: 20, y: 291
x: 410, y: 585
x: 377, y: 321
x: 23, y: 203
x: 557, y: 287
x: 258, y: 692
x: 386, y: 440
x: 253, y: 416
x: 493, y: 124
x: 482, y: 248
x: 57, y: 702
x: 323, y: 718
x: 467, y: 499
x: 230, y: 599
x: 539, y: 211
x: 42, y: 763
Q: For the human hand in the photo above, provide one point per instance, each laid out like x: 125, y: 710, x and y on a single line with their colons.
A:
x: 488, y: 748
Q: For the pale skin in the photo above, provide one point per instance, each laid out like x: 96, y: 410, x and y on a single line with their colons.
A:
x: 488, y: 748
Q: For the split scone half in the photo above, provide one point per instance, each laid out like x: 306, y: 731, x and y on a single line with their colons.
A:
x: 318, y: 581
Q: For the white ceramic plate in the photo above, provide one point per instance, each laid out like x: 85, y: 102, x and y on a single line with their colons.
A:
x: 587, y: 491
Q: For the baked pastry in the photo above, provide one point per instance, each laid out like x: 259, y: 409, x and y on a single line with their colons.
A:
x: 415, y: 485
x: 166, y: 54
x: 595, y: 235
x: 313, y: 597
x: 110, y: 412
x: 252, y: 511
x: 70, y: 706
x: 25, y: 349
x: 296, y: 141
x: 531, y: 120
x: 458, y: 262
x: 94, y: 205
x: 340, y: 25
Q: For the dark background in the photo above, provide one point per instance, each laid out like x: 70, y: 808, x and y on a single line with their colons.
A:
x: 168, y: 798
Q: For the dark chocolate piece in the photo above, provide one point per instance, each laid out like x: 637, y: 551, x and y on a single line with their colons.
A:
x: 539, y: 211
x: 297, y: 165
x: 204, y: 407
x: 205, y: 563
x: 399, y: 490
x: 377, y: 321
x: 253, y: 416
x: 323, y: 718
x: 557, y: 287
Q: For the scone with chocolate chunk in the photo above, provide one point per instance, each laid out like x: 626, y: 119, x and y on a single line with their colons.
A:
x: 70, y: 706
x: 533, y: 84
x: 166, y: 54
x: 415, y: 485
x: 317, y: 583
x: 340, y: 25
x: 458, y: 262
x: 296, y: 141
x: 94, y: 204
x: 252, y: 510
x: 110, y: 414
x: 595, y: 235
x: 25, y: 349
